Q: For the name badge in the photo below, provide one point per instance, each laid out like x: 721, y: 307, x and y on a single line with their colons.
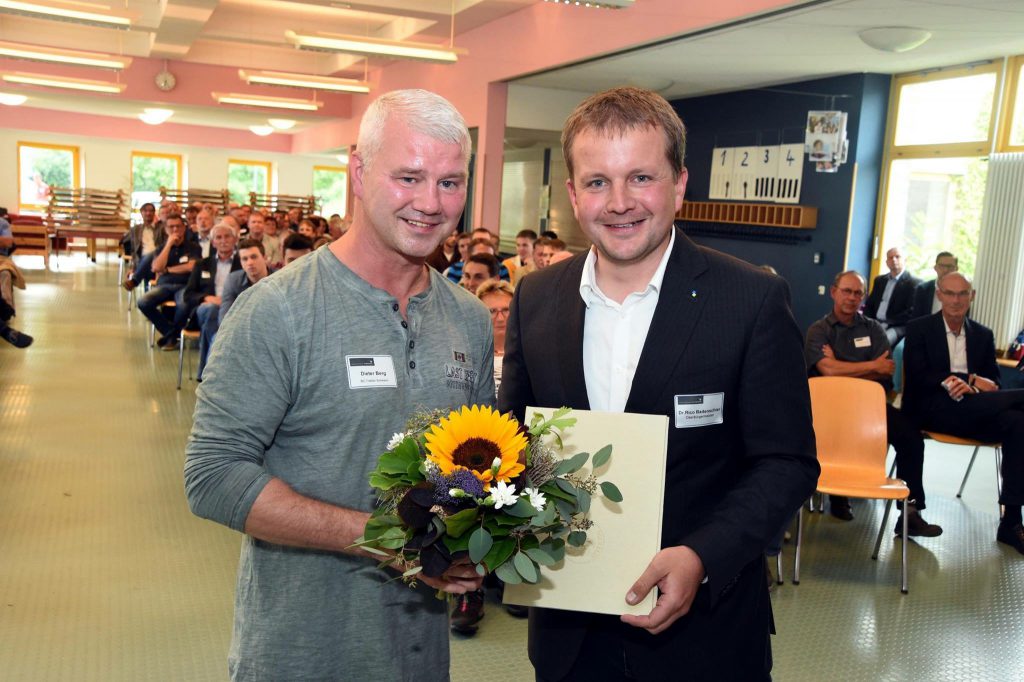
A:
x: 183, y: 259
x: 371, y: 371
x: 206, y: 274
x: 699, y: 410
x: 862, y: 342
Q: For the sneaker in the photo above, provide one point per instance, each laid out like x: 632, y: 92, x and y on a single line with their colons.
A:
x: 15, y: 338
x: 1011, y: 534
x: 469, y: 609
x: 916, y: 525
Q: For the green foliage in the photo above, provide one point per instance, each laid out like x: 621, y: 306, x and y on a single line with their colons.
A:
x: 480, y: 543
x: 601, y: 457
x: 150, y: 173
x: 244, y: 178
x: 460, y: 522
x: 525, y: 567
x: 329, y: 188
x: 611, y: 491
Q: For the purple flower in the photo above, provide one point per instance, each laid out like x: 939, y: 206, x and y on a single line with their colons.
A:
x: 463, y: 479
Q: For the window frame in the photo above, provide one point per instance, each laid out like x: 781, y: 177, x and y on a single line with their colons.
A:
x: 269, y: 165
x: 1015, y: 65
x: 76, y: 171
x: 334, y: 169
x: 178, y: 164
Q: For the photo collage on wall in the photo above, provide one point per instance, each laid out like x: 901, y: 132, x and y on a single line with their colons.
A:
x: 825, y: 141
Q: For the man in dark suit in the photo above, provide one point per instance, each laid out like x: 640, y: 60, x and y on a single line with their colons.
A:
x: 646, y: 322
x: 952, y: 386
x: 206, y: 287
x: 892, y: 297
x: 925, y: 300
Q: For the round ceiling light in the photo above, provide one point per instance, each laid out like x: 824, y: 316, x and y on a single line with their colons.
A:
x: 262, y: 131
x: 281, y: 123
x: 894, y: 38
x: 155, y: 117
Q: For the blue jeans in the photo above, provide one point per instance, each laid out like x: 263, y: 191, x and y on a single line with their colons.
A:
x: 149, y: 304
x: 208, y: 315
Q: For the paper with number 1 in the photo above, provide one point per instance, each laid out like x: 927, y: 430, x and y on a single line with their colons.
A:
x: 625, y: 535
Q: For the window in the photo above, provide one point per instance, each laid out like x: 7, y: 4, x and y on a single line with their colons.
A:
x: 1013, y: 140
x: 941, y: 130
x: 329, y: 188
x: 248, y: 176
x: 42, y: 166
x: 150, y: 172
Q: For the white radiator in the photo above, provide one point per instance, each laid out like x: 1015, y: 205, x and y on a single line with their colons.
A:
x: 999, y: 269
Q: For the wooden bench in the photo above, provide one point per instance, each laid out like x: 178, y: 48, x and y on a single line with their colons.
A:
x: 32, y: 239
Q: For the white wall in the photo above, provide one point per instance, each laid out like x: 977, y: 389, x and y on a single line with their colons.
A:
x: 107, y: 163
x: 540, y: 108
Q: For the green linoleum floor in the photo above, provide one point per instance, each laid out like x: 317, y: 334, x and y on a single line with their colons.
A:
x: 105, y: 575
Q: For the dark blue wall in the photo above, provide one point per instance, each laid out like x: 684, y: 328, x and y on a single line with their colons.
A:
x: 778, y: 116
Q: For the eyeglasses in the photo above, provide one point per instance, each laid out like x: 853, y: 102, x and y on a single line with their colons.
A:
x: 496, y: 312
x: 856, y: 293
x: 955, y: 294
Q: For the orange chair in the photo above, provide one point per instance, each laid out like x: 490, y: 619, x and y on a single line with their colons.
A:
x: 849, y: 425
x: 977, y: 445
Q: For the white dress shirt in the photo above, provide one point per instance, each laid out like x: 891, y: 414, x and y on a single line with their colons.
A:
x: 223, y: 270
x: 957, y: 349
x: 614, y: 335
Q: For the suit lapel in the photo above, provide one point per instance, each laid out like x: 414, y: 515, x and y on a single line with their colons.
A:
x: 570, y: 312
x: 680, y: 303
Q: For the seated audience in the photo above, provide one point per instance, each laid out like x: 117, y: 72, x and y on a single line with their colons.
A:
x: 541, y: 253
x: 952, y: 386
x: 926, y: 302
x: 10, y: 277
x: 295, y: 246
x: 462, y: 254
x: 205, y: 288
x: 172, y: 264
x: 846, y: 343
x: 254, y: 268
x: 559, y: 256
x: 521, y: 264
x: 336, y: 227
x: 294, y: 217
x: 142, y: 242
x: 483, y: 245
x: 479, y: 269
x: 892, y: 297
x: 272, y: 239
x: 204, y: 225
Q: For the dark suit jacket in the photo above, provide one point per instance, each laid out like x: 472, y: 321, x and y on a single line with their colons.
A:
x: 926, y: 362
x: 924, y: 294
x: 901, y: 303
x: 721, y: 325
x: 202, y: 281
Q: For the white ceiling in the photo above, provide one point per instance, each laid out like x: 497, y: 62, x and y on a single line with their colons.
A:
x: 816, y: 39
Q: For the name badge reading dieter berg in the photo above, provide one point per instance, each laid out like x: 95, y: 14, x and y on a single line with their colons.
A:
x: 371, y: 371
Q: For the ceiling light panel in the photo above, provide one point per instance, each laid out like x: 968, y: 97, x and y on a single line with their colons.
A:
x: 329, y: 42
x: 63, y: 83
x: 299, y: 80
x: 39, y: 53
x: 269, y: 102
x: 59, y: 12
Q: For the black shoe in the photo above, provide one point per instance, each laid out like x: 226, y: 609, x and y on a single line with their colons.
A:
x: 168, y: 341
x: 469, y: 609
x: 916, y: 525
x: 840, y: 508
x: 517, y: 611
x: 1011, y: 534
x: 15, y: 338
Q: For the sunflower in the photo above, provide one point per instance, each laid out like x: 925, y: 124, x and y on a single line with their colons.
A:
x: 472, y: 439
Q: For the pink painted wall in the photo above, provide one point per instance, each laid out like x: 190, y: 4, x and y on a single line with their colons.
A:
x: 91, y: 125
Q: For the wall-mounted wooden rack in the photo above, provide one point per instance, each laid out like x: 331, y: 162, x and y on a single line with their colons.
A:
x: 768, y: 215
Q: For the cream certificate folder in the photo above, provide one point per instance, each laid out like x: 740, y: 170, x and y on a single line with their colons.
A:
x: 625, y: 535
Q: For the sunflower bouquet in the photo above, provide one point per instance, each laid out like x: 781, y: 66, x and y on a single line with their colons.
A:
x: 474, y: 483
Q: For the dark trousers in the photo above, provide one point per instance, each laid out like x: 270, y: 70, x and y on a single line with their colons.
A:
x: 150, y: 302
x: 906, y: 439
x: 996, y: 417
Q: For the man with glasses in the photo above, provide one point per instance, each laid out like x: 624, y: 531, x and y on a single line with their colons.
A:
x: 925, y: 300
x: 848, y: 344
x: 952, y: 386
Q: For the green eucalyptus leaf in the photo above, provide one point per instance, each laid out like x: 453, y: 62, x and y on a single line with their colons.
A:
x: 601, y: 457
x: 501, y: 550
x: 551, y: 489
x: 481, y: 570
x: 459, y: 522
x: 507, y: 573
x: 525, y: 567
x: 541, y: 556
x: 577, y: 538
x: 522, y: 509
x: 459, y: 544
x: 479, y: 544
x: 566, y: 509
x: 611, y: 491
x: 566, y: 487
x: 574, y: 463
x: 583, y: 501
x: 555, y: 547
